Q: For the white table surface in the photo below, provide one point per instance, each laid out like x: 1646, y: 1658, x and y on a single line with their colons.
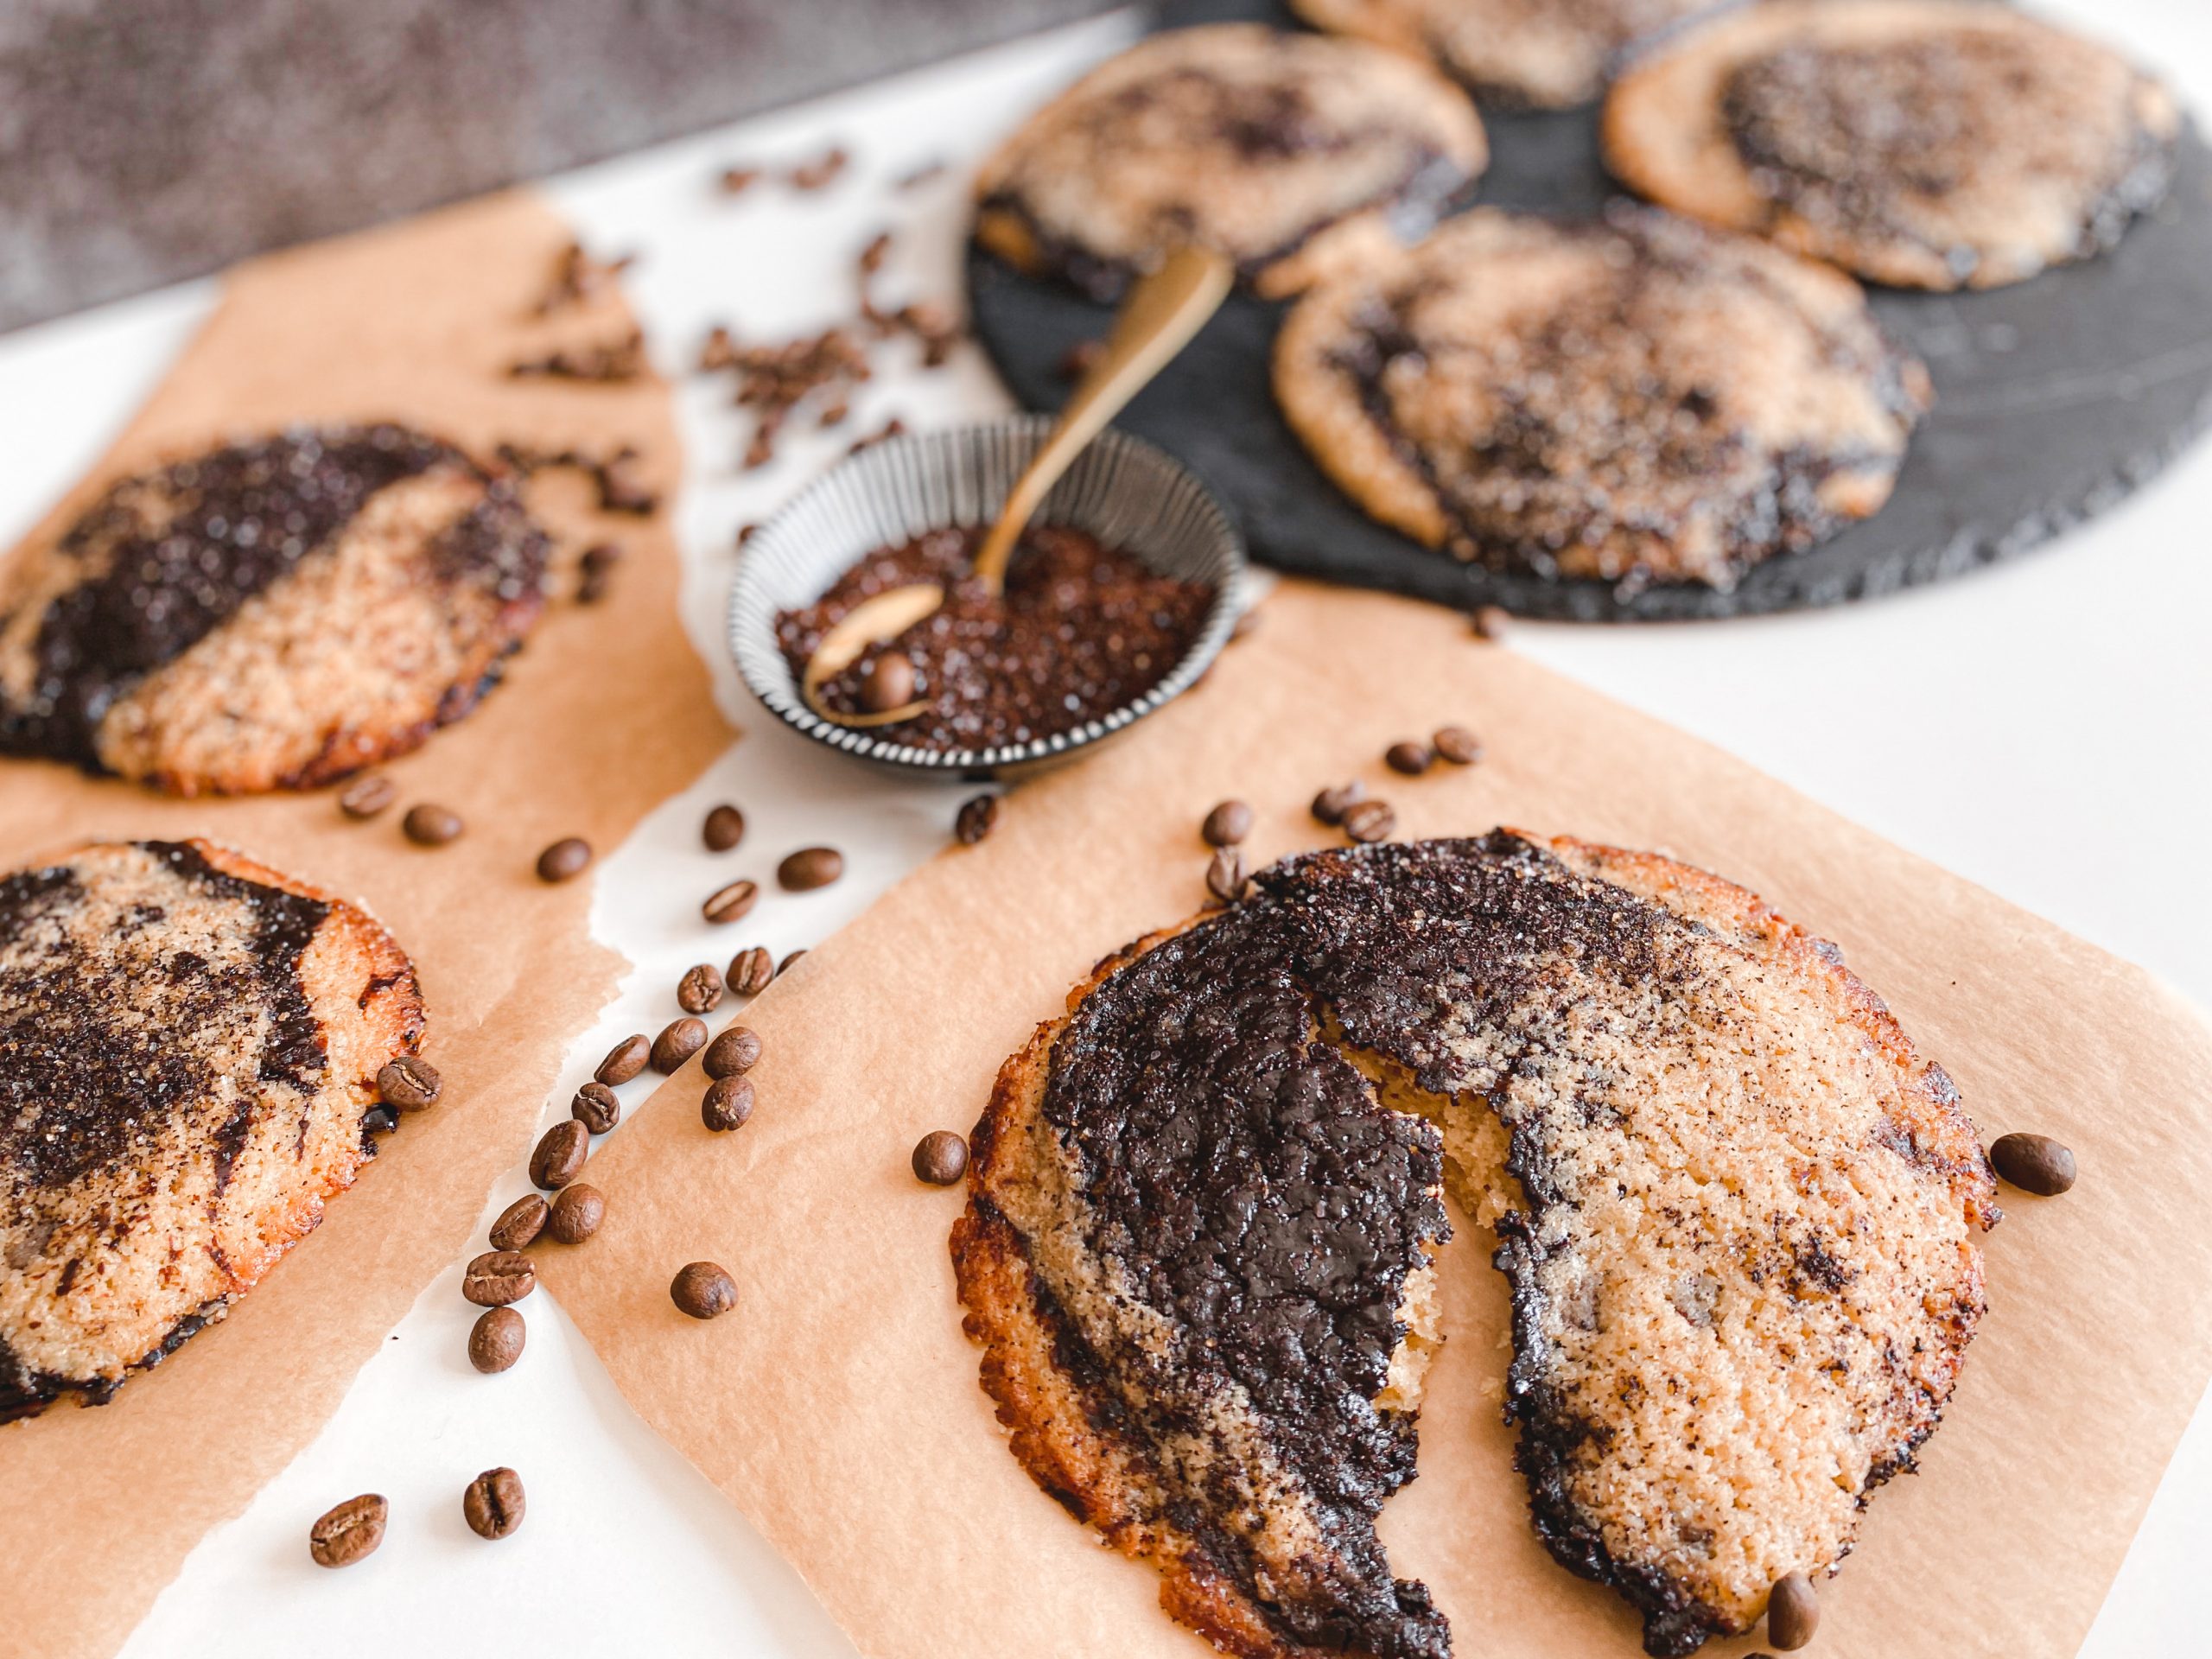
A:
x: 2041, y: 728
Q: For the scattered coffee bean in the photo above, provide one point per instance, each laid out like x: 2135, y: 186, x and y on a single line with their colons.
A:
x: 810, y: 868
x: 1225, y: 875
x: 624, y: 1061
x: 749, y: 971
x: 2034, y: 1163
x: 703, y: 1290
x: 728, y: 1104
x: 738, y: 1049
x: 1331, y: 804
x: 565, y: 860
x: 577, y: 1214
x: 349, y: 1532
x: 678, y: 1042
x: 978, y: 815
x: 731, y: 903
x: 1227, y: 825
x: 1489, y: 621
x: 699, y: 990
x: 560, y: 1156
x: 597, y: 1106
x: 409, y: 1084
x: 1411, y: 758
x: 940, y: 1158
x: 890, y: 683
x: 1369, y: 820
x: 519, y: 1223
x: 1793, y: 1612
x: 493, y: 1505
x: 785, y: 966
x: 366, y: 796
x: 495, y: 1341
x: 432, y: 826
x: 1457, y: 745
x: 724, y: 829
x: 498, y: 1278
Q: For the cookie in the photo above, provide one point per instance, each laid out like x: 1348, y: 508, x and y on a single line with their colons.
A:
x: 271, y: 615
x: 1289, y: 153
x: 1548, y: 54
x: 1636, y: 399
x: 1738, y: 1214
x: 188, y: 1049
x: 1926, y: 143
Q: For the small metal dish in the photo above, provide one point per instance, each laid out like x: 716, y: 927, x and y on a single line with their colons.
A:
x: 1122, y: 490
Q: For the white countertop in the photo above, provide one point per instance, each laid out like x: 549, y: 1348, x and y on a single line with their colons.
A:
x: 2040, y: 727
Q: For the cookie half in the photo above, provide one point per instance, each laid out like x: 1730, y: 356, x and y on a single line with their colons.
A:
x: 188, y: 1049
x: 1639, y: 398
x: 1739, y: 1214
x: 1545, y: 54
x: 1288, y: 152
x: 1927, y: 143
x: 271, y: 615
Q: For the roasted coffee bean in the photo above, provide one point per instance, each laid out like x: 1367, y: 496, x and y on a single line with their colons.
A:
x: 1793, y: 1612
x: 1369, y: 820
x: 725, y: 828
x: 349, y: 1532
x: 1412, y: 759
x: 728, y: 1104
x: 518, y: 1223
x: 495, y: 1341
x: 1457, y: 745
x: 498, y: 1278
x: 2034, y: 1163
x: 379, y: 1120
x: 1227, y: 825
x: 560, y: 1156
x: 890, y: 683
x: 1331, y: 804
x: 1489, y: 621
x: 678, y: 1042
x: 699, y: 990
x: 493, y: 1505
x: 432, y: 826
x: 738, y: 1049
x: 409, y: 1084
x: 565, y: 860
x: 729, y: 903
x: 597, y: 1106
x: 810, y: 868
x: 978, y: 815
x: 785, y: 966
x: 749, y: 971
x: 366, y: 796
x: 940, y: 1158
x: 577, y: 1214
x: 703, y: 1290
x: 624, y: 1061
x: 1225, y: 875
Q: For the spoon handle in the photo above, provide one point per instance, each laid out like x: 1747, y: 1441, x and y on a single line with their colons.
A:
x: 1155, y: 321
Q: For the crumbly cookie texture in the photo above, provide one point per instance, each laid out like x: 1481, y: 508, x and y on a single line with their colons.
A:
x: 275, y: 614
x: 1290, y: 153
x: 1738, y: 1211
x: 1528, y: 54
x: 188, y: 1049
x: 1926, y: 143
x: 1639, y: 398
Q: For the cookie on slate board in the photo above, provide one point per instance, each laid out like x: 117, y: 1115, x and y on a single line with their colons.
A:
x: 1523, y: 54
x: 1640, y: 398
x: 1291, y: 153
x: 188, y: 1049
x: 270, y: 615
x: 1925, y: 144
x: 1740, y: 1231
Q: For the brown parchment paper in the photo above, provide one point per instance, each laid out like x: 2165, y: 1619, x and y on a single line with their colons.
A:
x: 838, y: 1404
x: 605, y: 713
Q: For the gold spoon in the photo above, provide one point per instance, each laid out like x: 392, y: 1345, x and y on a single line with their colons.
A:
x: 1157, y: 321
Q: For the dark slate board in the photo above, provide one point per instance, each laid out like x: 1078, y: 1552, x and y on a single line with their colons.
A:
x: 2055, y: 398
